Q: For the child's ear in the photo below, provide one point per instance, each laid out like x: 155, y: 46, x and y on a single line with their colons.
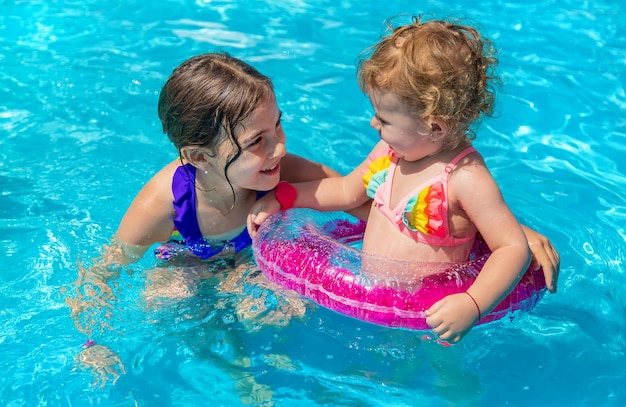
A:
x: 439, y: 129
x: 199, y: 157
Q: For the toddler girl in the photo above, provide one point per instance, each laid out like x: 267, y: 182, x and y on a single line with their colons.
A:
x: 429, y: 83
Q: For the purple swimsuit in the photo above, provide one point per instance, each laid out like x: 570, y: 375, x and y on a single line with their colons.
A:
x: 187, y: 237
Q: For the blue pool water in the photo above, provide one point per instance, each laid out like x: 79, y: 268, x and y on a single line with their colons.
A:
x: 79, y: 135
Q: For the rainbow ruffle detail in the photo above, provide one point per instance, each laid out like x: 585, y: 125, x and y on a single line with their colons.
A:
x: 376, y: 174
x: 423, y: 212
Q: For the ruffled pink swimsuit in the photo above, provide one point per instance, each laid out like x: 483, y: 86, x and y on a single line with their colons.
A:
x: 423, y: 213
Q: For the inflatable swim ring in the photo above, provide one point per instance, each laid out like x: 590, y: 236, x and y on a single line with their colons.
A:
x: 312, y: 253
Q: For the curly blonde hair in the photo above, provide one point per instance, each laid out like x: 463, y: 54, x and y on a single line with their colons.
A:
x: 439, y: 69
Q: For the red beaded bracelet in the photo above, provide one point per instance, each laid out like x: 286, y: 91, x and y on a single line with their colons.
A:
x: 475, y: 303
x: 286, y: 194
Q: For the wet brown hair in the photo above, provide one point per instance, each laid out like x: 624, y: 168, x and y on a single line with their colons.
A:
x: 438, y: 68
x: 207, y: 97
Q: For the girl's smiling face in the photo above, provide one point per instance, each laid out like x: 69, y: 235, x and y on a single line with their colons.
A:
x: 410, y: 137
x: 262, y: 142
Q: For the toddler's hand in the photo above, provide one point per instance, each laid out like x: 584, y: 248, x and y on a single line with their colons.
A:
x: 545, y: 256
x: 452, y: 317
x: 260, y: 211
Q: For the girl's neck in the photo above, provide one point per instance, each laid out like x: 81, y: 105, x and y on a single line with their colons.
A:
x: 215, y: 191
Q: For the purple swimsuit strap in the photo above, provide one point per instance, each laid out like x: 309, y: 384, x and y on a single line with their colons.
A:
x: 184, y: 189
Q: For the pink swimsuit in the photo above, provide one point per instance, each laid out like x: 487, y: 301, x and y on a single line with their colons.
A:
x: 423, y: 213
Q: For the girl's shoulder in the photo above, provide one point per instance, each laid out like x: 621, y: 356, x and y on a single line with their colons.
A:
x: 166, y: 173
x: 157, y: 192
x: 162, y: 180
x: 149, y: 218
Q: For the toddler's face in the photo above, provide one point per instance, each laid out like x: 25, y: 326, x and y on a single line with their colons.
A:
x: 407, y: 135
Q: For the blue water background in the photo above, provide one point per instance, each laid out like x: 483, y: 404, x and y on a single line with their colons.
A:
x: 79, y: 136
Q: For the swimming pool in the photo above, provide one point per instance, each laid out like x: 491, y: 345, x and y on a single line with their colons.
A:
x: 79, y: 135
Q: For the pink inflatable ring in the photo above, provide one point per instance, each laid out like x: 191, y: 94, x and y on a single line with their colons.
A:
x: 309, y: 252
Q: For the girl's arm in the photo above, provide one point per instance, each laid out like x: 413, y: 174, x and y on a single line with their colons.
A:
x: 149, y: 218
x: 480, y: 198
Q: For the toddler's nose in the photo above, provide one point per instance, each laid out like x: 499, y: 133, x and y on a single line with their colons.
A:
x: 375, y: 123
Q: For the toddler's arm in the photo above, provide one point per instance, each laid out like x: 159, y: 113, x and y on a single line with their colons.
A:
x: 332, y: 193
x: 294, y: 168
x: 329, y: 194
x: 544, y: 255
x: 479, y: 196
